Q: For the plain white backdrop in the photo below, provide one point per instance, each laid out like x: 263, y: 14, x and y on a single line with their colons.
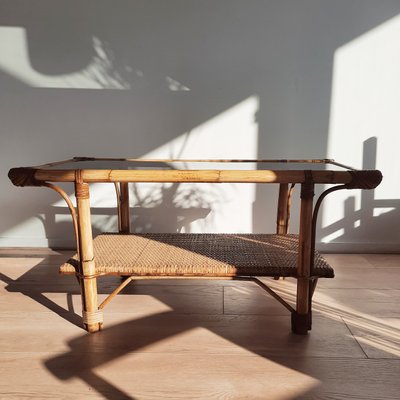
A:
x: 225, y: 79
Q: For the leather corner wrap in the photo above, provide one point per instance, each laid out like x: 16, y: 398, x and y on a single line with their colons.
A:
x: 369, y: 179
x: 24, y: 176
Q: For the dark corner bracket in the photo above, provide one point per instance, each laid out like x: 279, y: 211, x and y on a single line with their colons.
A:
x: 24, y: 176
x: 369, y: 179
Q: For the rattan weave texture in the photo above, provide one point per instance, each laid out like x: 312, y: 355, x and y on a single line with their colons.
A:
x: 213, y: 255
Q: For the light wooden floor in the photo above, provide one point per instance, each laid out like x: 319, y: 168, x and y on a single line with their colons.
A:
x: 198, y: 339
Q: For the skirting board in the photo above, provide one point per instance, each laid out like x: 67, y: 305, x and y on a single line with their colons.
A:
x: 366, y: 248
x: 56, y: 243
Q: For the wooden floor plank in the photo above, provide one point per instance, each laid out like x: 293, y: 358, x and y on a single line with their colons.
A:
x: 348, y: 260
x: 181, y: 376
x: 378, y: 337
x: 384, y: 260
x: 251, y: 300
x: 363, y: 278
x: 172, y: 332
x: 202, y: 340
x: 383, y: 303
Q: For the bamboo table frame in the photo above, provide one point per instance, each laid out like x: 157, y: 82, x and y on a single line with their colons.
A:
x: 47, y: 174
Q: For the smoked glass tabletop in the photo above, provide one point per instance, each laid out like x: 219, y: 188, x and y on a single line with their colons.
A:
x: 194, y: 164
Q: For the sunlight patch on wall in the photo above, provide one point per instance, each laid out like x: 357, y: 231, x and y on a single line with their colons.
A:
x: 365, y: 104
x: 331, y: 237
x: 195, y: 207
x: 192, y: 207
x: 232, y: 134
x: 175, y: 86
x: 14, y: 60
x: 104, y: 71
x: 380, y: 211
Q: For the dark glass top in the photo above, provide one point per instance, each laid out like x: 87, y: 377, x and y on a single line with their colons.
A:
x: 137, y: 164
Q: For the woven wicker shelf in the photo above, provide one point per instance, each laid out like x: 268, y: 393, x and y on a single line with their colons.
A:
x: 203, y: 255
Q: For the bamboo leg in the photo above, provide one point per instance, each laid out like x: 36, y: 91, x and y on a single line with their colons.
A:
x: 92, y: 317
x: 301, y: 319
x: 282, y: 213
x: 124, y: 225
x: 124, y: 208
x: 313, y: 284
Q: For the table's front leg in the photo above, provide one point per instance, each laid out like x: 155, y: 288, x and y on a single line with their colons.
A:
x: 92, y: 316
x: 301, y: 319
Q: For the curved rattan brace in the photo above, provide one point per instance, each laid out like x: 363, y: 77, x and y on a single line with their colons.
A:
x: 315, y: 217
x: 26, y: 177
x: 360, y: 180
x: 70, y: 205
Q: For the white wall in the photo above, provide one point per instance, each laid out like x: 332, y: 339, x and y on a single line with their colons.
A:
x: 280, y: 79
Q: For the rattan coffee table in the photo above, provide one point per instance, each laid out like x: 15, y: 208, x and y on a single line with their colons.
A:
x: 197, y: 256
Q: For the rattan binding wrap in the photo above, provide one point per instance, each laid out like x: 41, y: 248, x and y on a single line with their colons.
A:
x: 92, y: 317
x: 198, y: 255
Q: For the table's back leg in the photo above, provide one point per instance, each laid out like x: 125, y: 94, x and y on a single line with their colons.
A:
x: 92, y: 316
x: 282, y: 212
x: 123, y: 208
x: 282, y: 217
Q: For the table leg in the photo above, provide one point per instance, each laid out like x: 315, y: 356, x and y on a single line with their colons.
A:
x: 282, y: 213
x: 124, y: 208
x: 92, y: 316
x: 301, y: 319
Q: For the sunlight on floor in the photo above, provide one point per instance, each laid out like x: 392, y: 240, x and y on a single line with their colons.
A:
x: 375, y: 333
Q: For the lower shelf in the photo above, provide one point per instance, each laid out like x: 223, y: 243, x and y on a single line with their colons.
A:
x: 197, y: 255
